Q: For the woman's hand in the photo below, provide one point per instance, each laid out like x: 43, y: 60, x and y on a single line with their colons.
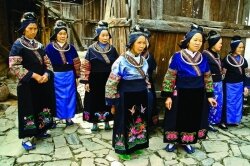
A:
x: 45, y: 78
x: 86, y: 87
x: 168, y: 103
x: 113, y: 109
x: 212, y: 102
x: 246, y: 91
x: 37, y: 77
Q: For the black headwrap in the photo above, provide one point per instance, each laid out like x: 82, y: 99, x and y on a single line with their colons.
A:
x: 213, y: 38
x: 236, y: 40
x: 27, y: 18
x: 101, y: 26
x: 135, y: 33
x: 59, y: 25
x: 194, y: 29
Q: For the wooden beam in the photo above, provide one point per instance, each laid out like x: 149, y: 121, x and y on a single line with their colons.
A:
x: 205, y: 23
x: 119, y: 22
x: 108, y: 9
x: 179, y: 27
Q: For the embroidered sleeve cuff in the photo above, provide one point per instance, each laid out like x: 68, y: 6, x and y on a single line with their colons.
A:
x: 166, y: 94
x: 209, y: 94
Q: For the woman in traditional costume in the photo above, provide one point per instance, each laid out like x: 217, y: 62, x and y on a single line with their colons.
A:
x: 189, y: 75
x: 127, y: 93
x: 27, y: 60
x: 96, y: 69
x: 66, y: 66
x: 234, y: 65
x: 212, y: 54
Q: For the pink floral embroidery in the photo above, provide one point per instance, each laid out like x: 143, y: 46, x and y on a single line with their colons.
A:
x: 171, y: 135
x: 102, y: 116
x: 86, y: 115
x: 201, y: 133
x: 187, y: 137
x: 138, y: 120
x: 119, y: 142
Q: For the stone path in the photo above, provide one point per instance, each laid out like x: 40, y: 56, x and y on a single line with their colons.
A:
x: 78, y: 146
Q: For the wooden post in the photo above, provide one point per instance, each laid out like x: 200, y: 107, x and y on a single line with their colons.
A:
x: 43, y: 35
x: 133, y: 10
x: 78, y: 41
x: 206, y: 10
x: 159, y: 10
x: 108, y: 9
x: 247, y: 22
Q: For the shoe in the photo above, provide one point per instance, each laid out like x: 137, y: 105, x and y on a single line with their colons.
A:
x: 95, y: 127
x: 107, y: 126
x: 139, y: 152
x: 69, y: 123
x: 124, y: 156
x: 189, y: 150
x: 223, y: 126
x: 27, y: 146
x: 43, y: 135
x: 53, y: 126
x: 168, y: 149
x: 211, y: 128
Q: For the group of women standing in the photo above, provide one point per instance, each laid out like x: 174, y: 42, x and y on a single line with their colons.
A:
x: 120, y: 88
x: 201, y: 90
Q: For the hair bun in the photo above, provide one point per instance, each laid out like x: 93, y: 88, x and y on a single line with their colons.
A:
x: 103, y: 24
x: 28, y: 16
x: 138, y: 28
x: 60, y: 24
x: 236, y: 37
x: 196, y: 27
x: 212, y: 32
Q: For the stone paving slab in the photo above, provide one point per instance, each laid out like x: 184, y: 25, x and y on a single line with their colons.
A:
x: 78, y: 146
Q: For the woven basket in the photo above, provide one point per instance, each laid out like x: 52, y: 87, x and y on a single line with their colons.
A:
x: 4, y: 91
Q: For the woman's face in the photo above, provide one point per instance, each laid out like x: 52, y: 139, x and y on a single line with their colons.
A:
x: 30, y: 31
x: 217, y: 46
x: 62, y: 36
x: 239, y: 50
x: 138, y: 45
x: 195, y: 43
x: 104, y: 37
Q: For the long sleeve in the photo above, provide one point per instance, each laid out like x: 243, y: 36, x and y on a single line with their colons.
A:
x: 111, y: 89
x: 169, y: 79
x: 168, y: 83
x: 16, y: 64
x: 208, y: 81
x: 85, y: 69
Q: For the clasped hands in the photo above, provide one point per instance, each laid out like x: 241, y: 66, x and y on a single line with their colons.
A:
x: 40, y: 79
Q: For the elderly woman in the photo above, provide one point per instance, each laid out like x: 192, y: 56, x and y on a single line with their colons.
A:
x: 189, y: 73
x: 212, y: 54
x: 66, y: 66
x: 27, y: 60
x: 129, y: 99
x: 234, y: 66
x: 95, y: 71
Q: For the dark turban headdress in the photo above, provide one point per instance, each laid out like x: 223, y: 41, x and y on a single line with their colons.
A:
x: 59, y: 25
x: 27, y: 18
x: 194, y: 29
x: 101, y: 26
x: 135, y: 33
x: 236, y: 40
x: 212, y: 38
